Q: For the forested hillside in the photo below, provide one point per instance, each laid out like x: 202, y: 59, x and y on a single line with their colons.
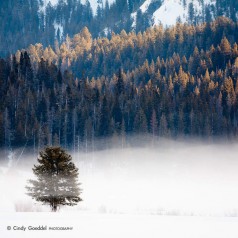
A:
x: 48, y: 21
x: 174, y: 82
x: 90, y: 57
x: 28, y: 22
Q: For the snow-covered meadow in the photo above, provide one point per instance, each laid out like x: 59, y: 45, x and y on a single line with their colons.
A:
x: 170, y: 188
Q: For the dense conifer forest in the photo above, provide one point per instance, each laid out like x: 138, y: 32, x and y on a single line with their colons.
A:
x: 174, y: 82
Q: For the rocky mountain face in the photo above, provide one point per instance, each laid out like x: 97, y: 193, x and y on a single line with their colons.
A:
x: 46, y: 21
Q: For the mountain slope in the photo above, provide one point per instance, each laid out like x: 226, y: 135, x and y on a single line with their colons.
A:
x: 172, y: 10
x: 28, y: 22
x: 94, y: 3
x: 179, y: 81
x: 168, y: 12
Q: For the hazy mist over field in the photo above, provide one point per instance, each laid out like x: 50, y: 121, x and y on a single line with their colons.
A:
x: 167, y: 178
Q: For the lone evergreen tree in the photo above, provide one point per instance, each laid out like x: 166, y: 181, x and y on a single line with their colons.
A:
x: 57, y: 179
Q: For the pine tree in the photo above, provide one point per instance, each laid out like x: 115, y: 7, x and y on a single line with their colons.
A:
x: 191, y: 13
x: 140, y: 122
x: 56, y: 182
x: 163, y: 127
x: 104, y: 120
x: 225, y: 46
x: 119, y: 83
x: 154, y: 124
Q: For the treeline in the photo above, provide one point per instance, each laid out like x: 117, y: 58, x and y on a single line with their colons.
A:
x: 90, y: 57
x: 172, y: 97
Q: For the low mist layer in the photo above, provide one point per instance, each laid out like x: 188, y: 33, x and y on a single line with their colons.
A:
x: 169, y: 178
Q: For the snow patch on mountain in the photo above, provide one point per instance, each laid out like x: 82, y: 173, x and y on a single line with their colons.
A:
x: 94, y: 4
x: 145, y: 5
x: 169, y: 12
x: 59, y: 30
x: 44, y: 3
x: 172, y: 10
x: 133, y: 16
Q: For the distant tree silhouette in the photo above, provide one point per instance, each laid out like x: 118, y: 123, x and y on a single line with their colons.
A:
x: 56, y: 182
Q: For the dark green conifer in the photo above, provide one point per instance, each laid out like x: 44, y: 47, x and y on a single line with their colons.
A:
x: 57, y: 179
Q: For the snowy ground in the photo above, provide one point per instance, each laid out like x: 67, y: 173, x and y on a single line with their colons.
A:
x: 170, y: 190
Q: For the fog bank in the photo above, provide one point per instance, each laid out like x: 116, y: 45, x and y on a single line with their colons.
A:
x: 168, y: 178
